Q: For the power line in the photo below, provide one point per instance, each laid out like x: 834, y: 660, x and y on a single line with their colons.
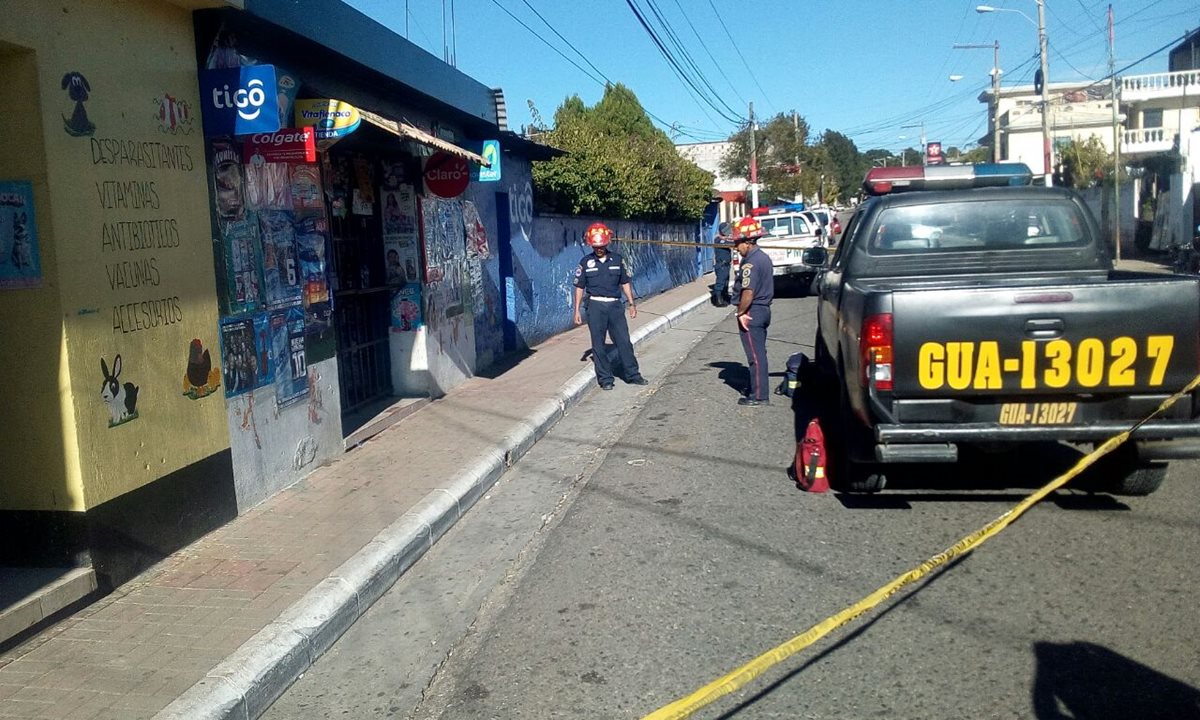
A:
x: 734, y: 44
x: 675, y: 64
x: 704, y: 45
x: 568, y: 42
x: 548, y: 44
x: 603, y: 83
x: 682, y: 49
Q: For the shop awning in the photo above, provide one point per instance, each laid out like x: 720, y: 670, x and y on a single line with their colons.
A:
x: 411, y: 132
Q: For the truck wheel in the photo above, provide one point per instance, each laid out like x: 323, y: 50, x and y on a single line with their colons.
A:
x: 822, y: 357
x: 850, y: 475
x: 856, y: 477
x: 1141, y: 480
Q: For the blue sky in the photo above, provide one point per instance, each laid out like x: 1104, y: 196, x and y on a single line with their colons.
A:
x: 862, y: 67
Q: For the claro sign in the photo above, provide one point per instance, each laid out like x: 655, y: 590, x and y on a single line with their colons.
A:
x: 239, y: 101
x: 446, y: 175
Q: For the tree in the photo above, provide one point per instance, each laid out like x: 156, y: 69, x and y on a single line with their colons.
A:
x: 1084, y: 163
x: 618, y: 165
x: 781, y: 143
x: 849, y: 165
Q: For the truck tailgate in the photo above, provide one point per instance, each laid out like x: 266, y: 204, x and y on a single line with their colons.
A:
x: 1137, y: 336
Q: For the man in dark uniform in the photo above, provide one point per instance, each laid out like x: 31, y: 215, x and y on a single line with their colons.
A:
x: 722, y: 255
x: 602, y: 278
x: 753, y: 291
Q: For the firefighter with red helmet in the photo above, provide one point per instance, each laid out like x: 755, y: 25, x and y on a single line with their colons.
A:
x: 600, y: 280
x: 753, y: 291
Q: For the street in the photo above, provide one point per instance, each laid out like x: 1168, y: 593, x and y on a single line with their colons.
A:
x: 652, y: 542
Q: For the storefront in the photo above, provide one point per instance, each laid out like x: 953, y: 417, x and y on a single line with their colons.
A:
x: 355, y: 237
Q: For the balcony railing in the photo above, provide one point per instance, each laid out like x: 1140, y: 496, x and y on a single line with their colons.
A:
x: 1160, y: 85
x: 1147, y: 140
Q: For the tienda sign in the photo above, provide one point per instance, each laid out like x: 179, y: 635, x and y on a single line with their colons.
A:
x: 331, y: 119
x: 287, y: 145
x: 446, y: 175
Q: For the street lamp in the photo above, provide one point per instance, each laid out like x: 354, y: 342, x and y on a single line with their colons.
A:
x: 1047, y: 150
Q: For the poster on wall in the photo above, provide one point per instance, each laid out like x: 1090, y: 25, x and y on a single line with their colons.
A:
x: 310, y: 237
x: 228, y: 182
x: 245, y: 354
x: 281, y: 267
x: 243, y: 263
x: 476, y: 251
x: 20, y: 261
x: 406, y: 308
x: 401, y: 246
x: 442, y: 222
x: 290, y: 365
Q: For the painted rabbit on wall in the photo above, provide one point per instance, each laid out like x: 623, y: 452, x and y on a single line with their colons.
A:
x: 121, y: 398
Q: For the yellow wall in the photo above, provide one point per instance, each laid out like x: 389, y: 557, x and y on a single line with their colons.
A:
x: 34, y: 447
x: 127, y: 219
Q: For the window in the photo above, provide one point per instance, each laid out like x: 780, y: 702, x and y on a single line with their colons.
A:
x: 1152, y: 118
x: 974, y: 226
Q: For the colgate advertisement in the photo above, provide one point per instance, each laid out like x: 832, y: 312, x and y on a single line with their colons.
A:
x: 287, y: 145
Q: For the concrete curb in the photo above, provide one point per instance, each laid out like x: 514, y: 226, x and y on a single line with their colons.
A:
x: 244, y: 685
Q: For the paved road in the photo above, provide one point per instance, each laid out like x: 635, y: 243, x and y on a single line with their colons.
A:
x: 652, y: 543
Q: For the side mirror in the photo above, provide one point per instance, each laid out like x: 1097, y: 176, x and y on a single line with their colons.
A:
x: 815, y: 256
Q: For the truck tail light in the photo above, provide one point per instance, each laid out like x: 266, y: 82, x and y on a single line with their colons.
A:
x: 875, y: 348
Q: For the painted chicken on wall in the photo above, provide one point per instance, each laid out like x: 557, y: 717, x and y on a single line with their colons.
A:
x: 201, y: 378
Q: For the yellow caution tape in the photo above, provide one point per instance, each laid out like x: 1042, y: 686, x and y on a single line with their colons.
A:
x: 742, y: 676
x: 681, y: 243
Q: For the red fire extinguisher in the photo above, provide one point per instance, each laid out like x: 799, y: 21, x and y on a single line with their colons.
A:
x: 809, y: 470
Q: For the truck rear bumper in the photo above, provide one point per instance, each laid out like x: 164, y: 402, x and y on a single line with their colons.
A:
x: 939, y: 443
x: 990, y: 432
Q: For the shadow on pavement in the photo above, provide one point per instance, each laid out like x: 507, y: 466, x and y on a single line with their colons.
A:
x: 1084, y: 680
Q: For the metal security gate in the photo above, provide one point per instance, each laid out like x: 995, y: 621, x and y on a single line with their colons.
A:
x: 361, y: 313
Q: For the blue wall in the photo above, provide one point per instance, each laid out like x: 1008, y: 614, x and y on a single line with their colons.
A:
x: 544, y: 262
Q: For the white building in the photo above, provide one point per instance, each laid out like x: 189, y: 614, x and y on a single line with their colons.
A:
x: 733, y: 191
x: 1158, y: 128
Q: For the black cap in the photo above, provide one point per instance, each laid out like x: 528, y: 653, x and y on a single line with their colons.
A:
x: 724, y: 229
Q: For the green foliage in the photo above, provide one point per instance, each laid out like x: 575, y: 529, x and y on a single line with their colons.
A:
x: 618, y: 165
x: 781, y: 144
x: 1085, y: 163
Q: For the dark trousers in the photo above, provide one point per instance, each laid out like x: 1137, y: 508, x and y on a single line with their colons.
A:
x: 754, y: 342
x: 721, y: 259
x: 609, y: 318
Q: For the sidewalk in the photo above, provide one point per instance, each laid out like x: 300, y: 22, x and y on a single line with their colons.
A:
x: 222, y: 627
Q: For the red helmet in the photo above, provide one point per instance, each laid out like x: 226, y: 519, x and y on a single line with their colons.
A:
x: 747, y: 228
x: 597, y: 235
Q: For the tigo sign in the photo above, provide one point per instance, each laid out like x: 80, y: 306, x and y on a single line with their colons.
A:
x: 239, y: 101
x: 491, y: 154
x: 331, y: 119
x: 446, y: 175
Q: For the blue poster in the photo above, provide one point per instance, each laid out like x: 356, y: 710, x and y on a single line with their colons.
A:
x: 491, y: 153
x: 288, y: 357
x: 20, y: 263
x: 240, y: 100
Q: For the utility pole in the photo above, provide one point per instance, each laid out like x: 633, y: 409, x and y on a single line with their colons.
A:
x: 996, y: 101
x: 796, y: 137
x: 1112, y: 75
x: 922, y: 126
x: 1047, y: 147
x: 753, y: 163
x: 995, y: 46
